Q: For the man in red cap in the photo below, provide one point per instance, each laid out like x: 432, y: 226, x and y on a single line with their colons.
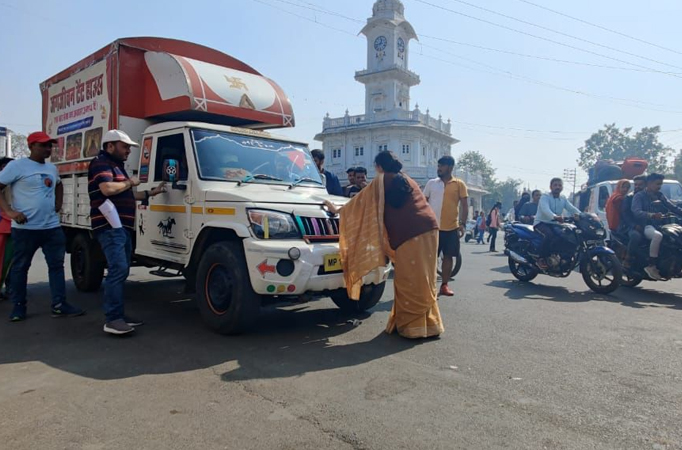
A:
x: 37, y: 195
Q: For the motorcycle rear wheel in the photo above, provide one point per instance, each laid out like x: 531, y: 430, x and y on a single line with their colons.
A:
x: 630, y: 281
x: 522, y: 272
x: 602, y: 273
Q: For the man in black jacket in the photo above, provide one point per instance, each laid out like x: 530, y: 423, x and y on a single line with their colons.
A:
x: 628, y: 224
x: 647, y: 214
x: 332, y: 181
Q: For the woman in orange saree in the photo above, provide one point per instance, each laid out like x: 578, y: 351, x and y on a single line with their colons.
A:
x: 614, y: 203
x: 391, y: 217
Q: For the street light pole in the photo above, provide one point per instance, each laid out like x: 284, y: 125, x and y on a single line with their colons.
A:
x: 571, y: 176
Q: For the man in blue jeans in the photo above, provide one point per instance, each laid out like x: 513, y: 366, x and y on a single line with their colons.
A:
x: 108, y: 181
x: 37, y: 195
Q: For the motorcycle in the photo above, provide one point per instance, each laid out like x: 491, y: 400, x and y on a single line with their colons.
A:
x: 470, y: 232
x: 670, y: 257
x: 579, y: 242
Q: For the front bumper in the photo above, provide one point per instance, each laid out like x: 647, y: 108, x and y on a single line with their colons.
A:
x: 263, y: 256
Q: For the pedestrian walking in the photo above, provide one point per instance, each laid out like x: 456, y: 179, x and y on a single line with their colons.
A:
x: 394, y: 202
x: 480, y: 227
x: 331, y: 181
x: 446, y: 196
x: 109, y: 183
x: 495, y: 224
x: 37, y: 195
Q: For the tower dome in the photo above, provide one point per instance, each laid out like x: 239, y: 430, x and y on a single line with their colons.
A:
x: 389, y: 9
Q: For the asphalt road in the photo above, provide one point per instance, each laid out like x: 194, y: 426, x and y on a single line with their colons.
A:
x: 547, y: 365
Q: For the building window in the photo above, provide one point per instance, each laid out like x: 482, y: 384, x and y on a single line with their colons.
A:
x: 336, y: 153
x: 359, y: 151
x: 383, y: 147
x: 424, y: 151
x: 406, y: 149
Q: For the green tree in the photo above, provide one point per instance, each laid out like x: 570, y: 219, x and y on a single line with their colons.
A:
x: 614, y: 143
x: 474, y: 162
x: 505, y: 192
x: 677, y: 167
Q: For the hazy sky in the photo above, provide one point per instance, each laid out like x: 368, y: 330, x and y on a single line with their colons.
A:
x: 493, y: 96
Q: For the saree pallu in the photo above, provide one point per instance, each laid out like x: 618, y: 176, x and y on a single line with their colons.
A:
x: 415, y: 312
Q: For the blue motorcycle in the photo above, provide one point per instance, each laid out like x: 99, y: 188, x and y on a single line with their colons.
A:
x: 577, y: 242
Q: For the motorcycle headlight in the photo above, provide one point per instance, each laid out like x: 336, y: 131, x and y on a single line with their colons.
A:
x: 600, y: 233
x: 273, y: 225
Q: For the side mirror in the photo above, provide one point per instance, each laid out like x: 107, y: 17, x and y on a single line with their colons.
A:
x: 171, y: 174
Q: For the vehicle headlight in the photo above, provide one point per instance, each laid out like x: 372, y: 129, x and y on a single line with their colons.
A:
x: 600, y: 232
x: 273, y: 225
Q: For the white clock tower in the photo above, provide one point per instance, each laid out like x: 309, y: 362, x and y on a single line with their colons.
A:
x: 388, y: 122
x: 387, y: 79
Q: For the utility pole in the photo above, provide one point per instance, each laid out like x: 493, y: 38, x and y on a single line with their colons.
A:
x: 571, y: 175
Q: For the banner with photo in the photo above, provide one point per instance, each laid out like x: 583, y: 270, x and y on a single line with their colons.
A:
x: 78, y: 113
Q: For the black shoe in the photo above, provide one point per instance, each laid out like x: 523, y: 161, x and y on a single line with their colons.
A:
x: 65, y: 310
x: 133, y: 322
x: 118, y: 327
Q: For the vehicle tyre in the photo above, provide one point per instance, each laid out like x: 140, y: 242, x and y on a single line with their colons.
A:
x: 87, y: 265
x: 455, y: 269
x: 522, y: 272
x: 602, y: 273
x: 369, y: 297
x: 227, y: 302
x: 467, y: 238
x: 630, y: 281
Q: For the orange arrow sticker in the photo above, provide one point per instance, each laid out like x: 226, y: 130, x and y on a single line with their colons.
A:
x: 264, y: 268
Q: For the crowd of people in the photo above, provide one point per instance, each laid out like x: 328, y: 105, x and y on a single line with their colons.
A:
x: 391, y: 216
x: 32, y: 200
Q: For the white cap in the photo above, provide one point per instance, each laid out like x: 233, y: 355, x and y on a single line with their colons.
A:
x: 118, y: 135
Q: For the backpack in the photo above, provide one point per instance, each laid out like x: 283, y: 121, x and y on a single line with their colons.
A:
x: 488, y: 220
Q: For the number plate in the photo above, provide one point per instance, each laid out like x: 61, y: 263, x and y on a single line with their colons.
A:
x: 332, y: 263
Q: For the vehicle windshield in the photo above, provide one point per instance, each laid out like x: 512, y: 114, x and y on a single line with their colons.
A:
x: 223, y: 156
x: 673, y: 191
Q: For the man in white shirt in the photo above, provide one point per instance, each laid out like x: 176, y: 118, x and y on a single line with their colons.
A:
x: 550, y: 210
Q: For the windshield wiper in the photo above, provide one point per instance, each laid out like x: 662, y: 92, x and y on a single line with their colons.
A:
x: 258, y: 176
x: 304, y: 180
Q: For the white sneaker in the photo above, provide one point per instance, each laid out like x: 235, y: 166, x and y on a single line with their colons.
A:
x: 653, y: 273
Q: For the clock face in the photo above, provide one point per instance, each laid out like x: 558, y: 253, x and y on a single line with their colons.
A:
x: 401, y: 45
x: 380, y: 43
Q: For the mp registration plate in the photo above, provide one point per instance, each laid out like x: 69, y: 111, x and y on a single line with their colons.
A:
x: 332, y: 263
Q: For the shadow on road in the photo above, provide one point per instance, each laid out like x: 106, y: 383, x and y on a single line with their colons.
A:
x: 633, y: 298
x: 287, y: 341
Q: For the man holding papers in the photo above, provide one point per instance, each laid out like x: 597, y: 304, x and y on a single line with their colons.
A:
x: 112, y: 215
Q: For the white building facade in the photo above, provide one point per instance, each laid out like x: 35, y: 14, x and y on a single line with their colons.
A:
x: 388, y: 123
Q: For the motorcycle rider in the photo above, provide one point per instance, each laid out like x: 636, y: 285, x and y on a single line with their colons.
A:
x: 529, y: 210
x: 549, y: 215
x: 646, y: 216
x: 628, y: 224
